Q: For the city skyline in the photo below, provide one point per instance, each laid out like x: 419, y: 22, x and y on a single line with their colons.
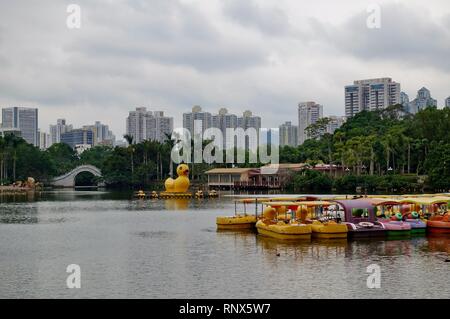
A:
x: 172, y: 55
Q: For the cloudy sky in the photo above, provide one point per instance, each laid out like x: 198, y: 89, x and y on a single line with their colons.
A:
x: 265, y: 55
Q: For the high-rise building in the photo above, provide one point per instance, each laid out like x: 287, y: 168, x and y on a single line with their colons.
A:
x: 58, y: 129
x: 102, y: 134
x: 288, y: 134
x: 447, y: 102
x: 308, y: 113
x: 335, y: 123
x: 44, y: 140
x: 371, y: 94
x: 246, y: 121
x: 404, y: 101
x: 25, y: 119
x: 197, y: 121
x: 223, y: 121
x: 78, y: 137
x: 423, y: 100
x: 147, y: 125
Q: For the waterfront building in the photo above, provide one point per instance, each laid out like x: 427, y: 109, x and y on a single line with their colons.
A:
x: 147, y: 125
x: 78, y: 137
x: 308, y: 113
x: 335, y: 123
x: 371, y: 94
x: 423, y: 100
x: 58, y: 129
x: 24, y: 119
x: 447, y: 102
x: 288, y: 134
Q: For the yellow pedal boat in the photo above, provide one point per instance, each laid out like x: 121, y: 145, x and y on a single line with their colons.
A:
x: 328, y: 230
x: 282, y: 230
x: 324, y: 222
x: 236, y: 222
x: 240, y: 220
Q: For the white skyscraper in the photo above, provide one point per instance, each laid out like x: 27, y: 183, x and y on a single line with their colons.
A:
x: 370, y: 95
x: 288, y: 134
x: 308, y: 113
x: 25, y: 119
x: 202, y: 121
x: 102, y: 134
x: 223, y: 121
x: 147, y: 125
x: 246, y: 121
x: 56, y: 130
x: 422, y: 101
x: 44, y: 140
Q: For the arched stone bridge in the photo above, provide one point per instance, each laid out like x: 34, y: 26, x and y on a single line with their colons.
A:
x: 68, y: 179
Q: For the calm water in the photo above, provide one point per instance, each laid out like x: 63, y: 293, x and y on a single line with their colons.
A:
x: 171, y: 249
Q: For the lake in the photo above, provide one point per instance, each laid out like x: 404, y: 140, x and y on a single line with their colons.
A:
x: 171, y: 249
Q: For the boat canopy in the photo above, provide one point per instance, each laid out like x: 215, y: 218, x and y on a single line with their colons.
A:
x: 426, y: 200
x: 384, y: 201
x: 296, y: 204
x: 349, y: 205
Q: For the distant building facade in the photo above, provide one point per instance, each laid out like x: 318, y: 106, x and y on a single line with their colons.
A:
x: 223, y: 121
x: 102, y: 134
x: 147, y: 125
x: 44, y: 140
x: 288, y: 134
x: 447, y: 102
x: 308, y: 113
x: 404, y: 101
x: 249, y: 121
x: 370, y: 95
x: 422, y: 101
x: 24, y: 119
x: 335, y: 123
x: 197, y: 121
x: 78, y: 137
x: 58, y: 129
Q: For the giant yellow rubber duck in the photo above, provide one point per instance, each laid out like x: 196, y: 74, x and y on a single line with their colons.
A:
x: 181, y: 183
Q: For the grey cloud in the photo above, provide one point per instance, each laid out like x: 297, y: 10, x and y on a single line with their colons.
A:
x: 406, y: 36
x: 272, y: 21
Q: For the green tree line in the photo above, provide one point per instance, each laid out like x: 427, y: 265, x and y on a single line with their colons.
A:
x: 374, y: 148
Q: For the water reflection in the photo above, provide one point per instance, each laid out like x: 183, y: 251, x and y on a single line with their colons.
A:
x: 177, y: 203
x: 171, y: 249
x: 18, y: 214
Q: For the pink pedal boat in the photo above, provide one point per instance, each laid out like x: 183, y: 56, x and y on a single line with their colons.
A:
x: 394, y: 225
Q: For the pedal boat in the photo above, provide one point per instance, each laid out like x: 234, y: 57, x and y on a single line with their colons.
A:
x: 281, y: 222
x: 324, y: 222
x: 360, y: 219
x: 239, y: 221
x: 435, y: 209
x: 388, y: 212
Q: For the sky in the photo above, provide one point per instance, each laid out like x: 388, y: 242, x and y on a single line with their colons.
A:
x: 265, y: 56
